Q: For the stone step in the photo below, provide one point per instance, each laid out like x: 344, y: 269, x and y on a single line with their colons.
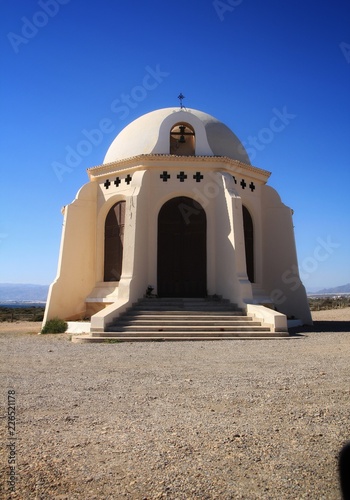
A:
x: 82, y: 339
x: 174, y: 307
x: 185, y: 300
x: 185, y: 323
x: 184, y: 304
x: 183, y: 317
x: 182, y: 312
x: 186, y: 333
x: 189, y: 328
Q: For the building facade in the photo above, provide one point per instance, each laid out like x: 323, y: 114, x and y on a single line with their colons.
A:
x: 176, y: 205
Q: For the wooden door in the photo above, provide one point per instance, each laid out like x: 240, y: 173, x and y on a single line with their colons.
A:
x: 182, y: 255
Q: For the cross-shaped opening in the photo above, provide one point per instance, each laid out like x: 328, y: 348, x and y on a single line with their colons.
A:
x: 182, y: 176
x: 165, y: 176
x: 198, y: 176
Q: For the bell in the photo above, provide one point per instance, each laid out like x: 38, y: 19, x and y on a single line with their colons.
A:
x: 182, y: 139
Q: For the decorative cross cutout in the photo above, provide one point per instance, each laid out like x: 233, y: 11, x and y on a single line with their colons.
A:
x: 128, y: 179
x: 234, y: 178
x: 252, y: 186
x: 198, y: 176
x: 243, y: 183
x: 182, y: 176
x: 107, y: 184
x: 165, y: 176
x: 117, y: 181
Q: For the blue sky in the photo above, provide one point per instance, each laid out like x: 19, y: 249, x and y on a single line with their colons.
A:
x: 68, y: 65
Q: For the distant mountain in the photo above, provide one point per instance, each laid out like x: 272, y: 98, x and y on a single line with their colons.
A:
x: 23, y: 292
x: 336, y: 289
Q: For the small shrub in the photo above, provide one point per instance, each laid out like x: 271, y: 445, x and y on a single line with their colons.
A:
x: 55, y: 325
x: 36, y: 317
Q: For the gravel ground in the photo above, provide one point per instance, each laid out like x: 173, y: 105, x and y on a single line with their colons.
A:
x: 195, y: 420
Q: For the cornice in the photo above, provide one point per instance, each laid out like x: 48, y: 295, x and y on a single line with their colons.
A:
x: 172, y: 161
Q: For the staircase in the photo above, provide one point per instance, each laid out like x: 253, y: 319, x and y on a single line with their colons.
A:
x: 153, y: 319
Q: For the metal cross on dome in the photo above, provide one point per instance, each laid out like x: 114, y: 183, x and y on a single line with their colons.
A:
x: 181, y: 97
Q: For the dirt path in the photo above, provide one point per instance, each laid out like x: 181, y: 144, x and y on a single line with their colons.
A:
x: 195, y: 420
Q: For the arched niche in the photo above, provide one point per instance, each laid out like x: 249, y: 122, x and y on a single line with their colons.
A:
x: 182, y: 140
x: 114, y: 237
x: 249, y: 243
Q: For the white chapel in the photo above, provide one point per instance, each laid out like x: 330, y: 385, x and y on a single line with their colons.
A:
x: 178, y: 207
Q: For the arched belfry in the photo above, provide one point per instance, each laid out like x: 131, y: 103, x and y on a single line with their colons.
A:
x: 182, y: 140
x: 177, y: 206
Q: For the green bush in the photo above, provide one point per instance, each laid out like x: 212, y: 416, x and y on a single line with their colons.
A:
x: 55, y: 325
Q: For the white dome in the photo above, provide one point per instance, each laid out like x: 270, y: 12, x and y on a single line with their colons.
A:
x: 150, y: 134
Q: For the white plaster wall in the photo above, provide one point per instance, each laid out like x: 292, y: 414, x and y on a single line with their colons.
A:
x: 134, y: 278
x: 77, y: 259
x: 280, y: 276
x: 231, y: 263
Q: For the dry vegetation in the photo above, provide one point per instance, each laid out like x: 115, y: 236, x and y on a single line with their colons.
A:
x: 327, y: 303
x: 11, y: 314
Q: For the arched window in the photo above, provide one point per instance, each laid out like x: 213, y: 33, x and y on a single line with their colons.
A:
x: 114, y: 237
x: 182, y: 140
x: 249, y: 243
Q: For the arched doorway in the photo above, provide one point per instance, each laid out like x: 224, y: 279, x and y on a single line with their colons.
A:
x: 249, y: 243
x: 114, y: 238
x: 182, y: 249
